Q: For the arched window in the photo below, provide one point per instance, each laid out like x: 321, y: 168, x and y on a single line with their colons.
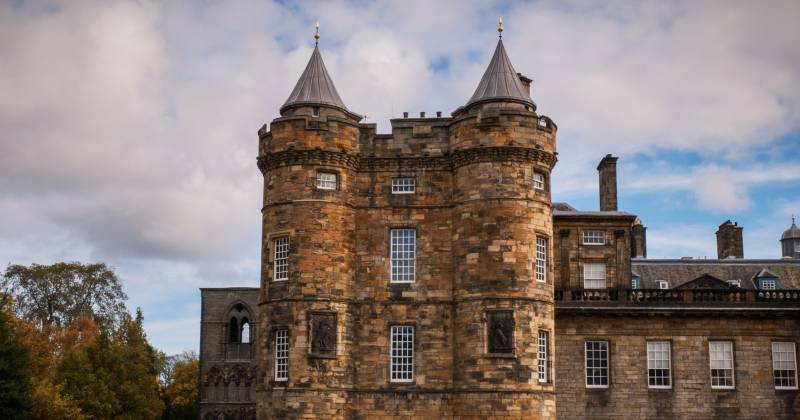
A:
x: 233, y: 331
x: 245, y: 331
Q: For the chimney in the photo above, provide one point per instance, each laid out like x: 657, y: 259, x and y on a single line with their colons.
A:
x: 608, y: 183
x: 729, y: 241
x: 639, y: 239
x: 405, y: 115
x: 526, y: 82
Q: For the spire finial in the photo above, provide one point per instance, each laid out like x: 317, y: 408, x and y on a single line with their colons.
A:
x: 792, y: 218
x: 500, y: 27
x: 316, y: 35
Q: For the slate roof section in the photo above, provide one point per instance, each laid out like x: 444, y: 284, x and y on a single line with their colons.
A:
x: 315, y: 86
x: 792, y: 233
x: 500, y: 81
x: 679, y: 272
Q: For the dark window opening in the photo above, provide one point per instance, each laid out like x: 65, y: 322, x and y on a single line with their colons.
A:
x: 233, y: 331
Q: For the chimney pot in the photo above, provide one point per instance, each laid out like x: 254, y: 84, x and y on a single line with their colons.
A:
x: 438, y: 114
x: 422, y: 114
x: 405, y: 115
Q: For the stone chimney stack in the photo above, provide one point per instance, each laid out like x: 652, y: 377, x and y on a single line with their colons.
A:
x: 729, y: 241
x: 608, y: 183
x: 526, y: 82
x: 638, y: 239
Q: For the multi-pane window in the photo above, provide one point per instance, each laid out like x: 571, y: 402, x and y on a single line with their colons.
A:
x: 538, y: 181
x: 769, y: 284
x: 541, y: 354
x: 636, y: 282
x: 662, y: 284
x: 720, y: 359
x: 597, y: 364
x: 281, y: 260
x: 735, y: 283
x: 403, y: 255
x: 594, y: 237
x: 326, y: 181
x: 541, y: 259
x: 402, y: 353
x: 658, y: 364
x: 594, y: 276
x: 784, y: 365
x: 403, y: 185
x: 281, y: 355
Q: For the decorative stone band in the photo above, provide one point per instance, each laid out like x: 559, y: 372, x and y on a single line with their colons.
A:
x: 447, y: 162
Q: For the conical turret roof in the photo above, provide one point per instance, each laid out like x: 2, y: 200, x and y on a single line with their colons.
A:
x: 792, y: 233
x: 315, y: 86
x: 500, y: 81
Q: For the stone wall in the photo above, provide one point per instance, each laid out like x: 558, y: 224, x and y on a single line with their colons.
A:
x: 691, y: 395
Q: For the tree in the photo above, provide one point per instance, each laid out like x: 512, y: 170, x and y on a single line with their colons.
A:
x: 180, y: 391
x: 57, y: 294
x: 15, y: 381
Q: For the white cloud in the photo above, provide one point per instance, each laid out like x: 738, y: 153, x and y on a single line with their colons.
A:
x: 716, y: 189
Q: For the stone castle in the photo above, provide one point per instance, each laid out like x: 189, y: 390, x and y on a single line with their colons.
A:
x: 426, y: 273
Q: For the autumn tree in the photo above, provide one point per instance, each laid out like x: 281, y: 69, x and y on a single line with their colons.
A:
x: 56, y: 295
x: 179, y: 382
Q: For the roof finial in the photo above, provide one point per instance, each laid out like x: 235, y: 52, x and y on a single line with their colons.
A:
x: 316, y: 35
x: 500, y: 27
x: 792, y: 218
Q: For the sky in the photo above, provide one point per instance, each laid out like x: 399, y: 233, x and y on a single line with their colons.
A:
x: 128, y: 128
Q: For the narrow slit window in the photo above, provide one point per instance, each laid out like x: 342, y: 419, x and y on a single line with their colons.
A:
x: 326, y: 181
x: 281, y: 260
x: 403, y: 255
x: 784, y: 365
x: 659, y: 374
x: 538, y: 181
x: 402, y: 353
x: 594, y: 276
x: 596, y: 364
x: 405, y: 185
x: 542, y: 356
x: 720, y: 359
x: 282, y: 355
x: 541, y: 260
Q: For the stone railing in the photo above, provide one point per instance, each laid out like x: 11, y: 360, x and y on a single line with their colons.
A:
x: 645, y: 296
x: 238, y: 350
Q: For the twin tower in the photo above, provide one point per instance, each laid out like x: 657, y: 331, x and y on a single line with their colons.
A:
x: 407, y: 274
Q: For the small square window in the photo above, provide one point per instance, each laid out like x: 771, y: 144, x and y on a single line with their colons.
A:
x: 594, y: 237
x: 538, y: 181
x: 326, y: 181
x: 594, y: 276
x: 735, y: 283
x: 406, y: 185
x: 662, y: 284
x: 769, y: 284
x: 636, y: 283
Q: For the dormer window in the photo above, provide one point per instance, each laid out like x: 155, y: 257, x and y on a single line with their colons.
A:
x: 662, y: 284
x: 315, y: 111
x: 769, y: 284
x: 538, y: 181
x: 636, y: 283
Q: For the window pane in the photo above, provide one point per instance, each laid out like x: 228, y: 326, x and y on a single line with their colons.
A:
x: 658, y: 364
x: 538, y: 181
x: 596, y: 364
x: 403, y: 185
x: 593, y: 237
x: 281, y: 355
x: 403, y: 255
x: 281, y: 260
x: 720, y: 358
x: 326, y: 181
x: 541, y: 259
x: 784, y: 365
x: 594, y: 276
x: 402, y: 353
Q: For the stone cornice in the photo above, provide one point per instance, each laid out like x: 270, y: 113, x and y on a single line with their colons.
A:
x: 447, y: 162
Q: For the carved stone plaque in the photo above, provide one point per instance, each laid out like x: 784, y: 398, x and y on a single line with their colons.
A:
x: 500, y: 331
x: 323, y: 333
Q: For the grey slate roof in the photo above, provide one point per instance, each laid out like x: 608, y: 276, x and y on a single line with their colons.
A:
x: 315, y: 86
x: 500, y: 81
x: 792, y: 233
x: 679, y: 272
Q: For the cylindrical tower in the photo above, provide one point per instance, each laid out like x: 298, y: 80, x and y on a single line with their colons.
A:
x: 308, y: 158
x: 502, y: 245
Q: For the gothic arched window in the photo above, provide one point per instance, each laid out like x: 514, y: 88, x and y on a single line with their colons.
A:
x: 233, y: 331
x: 245, y: 331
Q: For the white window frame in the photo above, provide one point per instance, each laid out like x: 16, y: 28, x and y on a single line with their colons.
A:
x: 602, y: 371
x: 402, y: 255
x: 327, y: 180
x: 594, y: 237
x: 735, y: 283
x: 401, y: 353
x: 772, y: 282
x: 541, y: 356
x: 636, y: 283
x: 280, y: 260
x: 538, y: 180
x: 281, y: 355
x: 662, y: 284
x: 655, y: 350
x: 541, y: 259
x: 721, y: 365
x: 404, y: 185
x: 782, y: 359
x: 591, y: 278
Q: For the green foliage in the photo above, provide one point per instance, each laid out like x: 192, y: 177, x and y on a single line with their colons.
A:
x: 180, y: 387
x: 57, y: 294
x: 15, y: 381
